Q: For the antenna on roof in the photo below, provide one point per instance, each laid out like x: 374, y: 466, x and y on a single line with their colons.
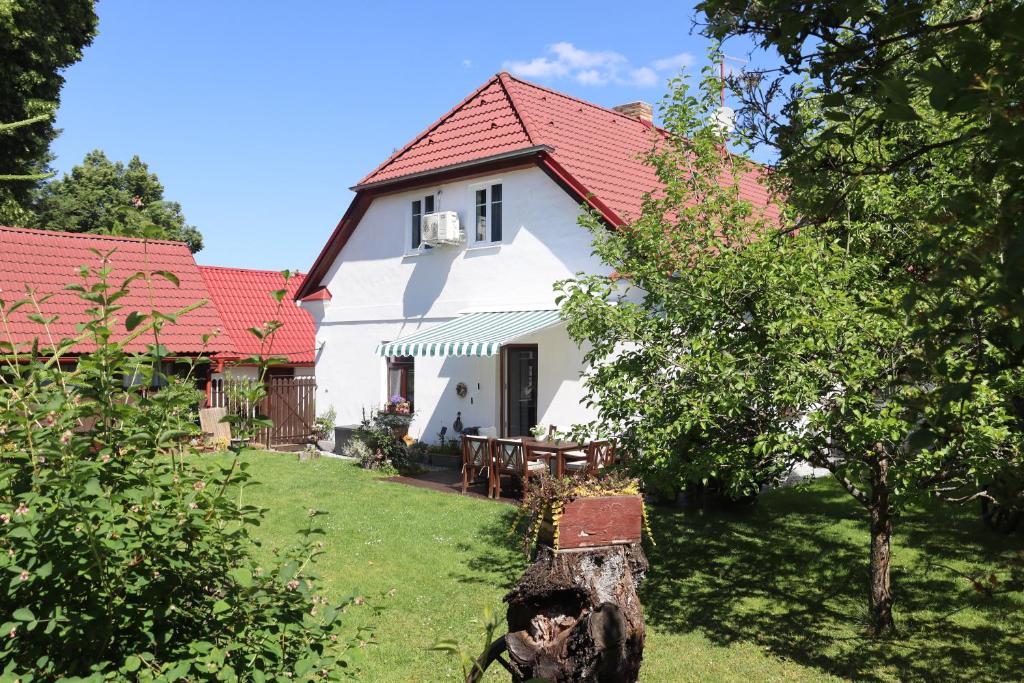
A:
x: 725, y: 118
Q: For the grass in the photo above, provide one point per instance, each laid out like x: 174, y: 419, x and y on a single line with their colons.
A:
x: 772, y: 593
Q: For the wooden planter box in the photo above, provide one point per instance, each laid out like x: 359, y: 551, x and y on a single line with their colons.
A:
x: 595, y: 522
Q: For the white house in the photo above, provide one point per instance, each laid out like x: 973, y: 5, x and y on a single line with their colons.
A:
x: 464, y: 322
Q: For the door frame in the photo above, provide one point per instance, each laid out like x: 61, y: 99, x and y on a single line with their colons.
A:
x: 503, y: 381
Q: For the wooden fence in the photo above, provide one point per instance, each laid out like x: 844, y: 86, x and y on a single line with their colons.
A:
x: 290, y: 404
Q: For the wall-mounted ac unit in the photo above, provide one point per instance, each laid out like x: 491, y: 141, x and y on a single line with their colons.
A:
x: 442, y: 228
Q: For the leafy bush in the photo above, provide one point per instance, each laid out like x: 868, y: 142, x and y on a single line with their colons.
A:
x: 323, y: 426
x: 376, y: 433
x: 128, y: 555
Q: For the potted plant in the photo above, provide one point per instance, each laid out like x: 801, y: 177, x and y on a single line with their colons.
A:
x: 398, y: 415
x: 583, y: 512
x: 539, y: 432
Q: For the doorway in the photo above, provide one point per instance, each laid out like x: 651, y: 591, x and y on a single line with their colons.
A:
x: 520, y: 395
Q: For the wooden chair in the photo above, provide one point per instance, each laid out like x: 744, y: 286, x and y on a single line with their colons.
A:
x: 476, y: 460
x: 510, y: 457
x: 600, y: 454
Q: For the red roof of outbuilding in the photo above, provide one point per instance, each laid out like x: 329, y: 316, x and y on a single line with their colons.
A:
x: 46, y: 261
x: 243, y: 298
x: 595, y: 152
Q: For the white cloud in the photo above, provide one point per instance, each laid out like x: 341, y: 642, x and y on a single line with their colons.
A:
x: 596, y: 67
x: 673, y: 63
x: 644, y: 77
x: 591, y: 77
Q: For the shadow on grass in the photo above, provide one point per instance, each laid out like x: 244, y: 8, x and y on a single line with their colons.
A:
x: 790, y: 575
x: 502, y: 561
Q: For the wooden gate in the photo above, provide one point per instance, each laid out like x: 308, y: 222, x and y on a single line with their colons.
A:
x: 290, y: 404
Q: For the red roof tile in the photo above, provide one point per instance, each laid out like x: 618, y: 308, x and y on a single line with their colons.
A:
x: 595, y: 151
x: 46, y: 261
x: 600, y: 148
x: 243, y: 298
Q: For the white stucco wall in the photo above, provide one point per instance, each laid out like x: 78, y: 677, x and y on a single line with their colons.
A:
x: 381, y: 293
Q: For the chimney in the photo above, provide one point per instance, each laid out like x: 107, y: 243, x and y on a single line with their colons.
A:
x: 638, y: 110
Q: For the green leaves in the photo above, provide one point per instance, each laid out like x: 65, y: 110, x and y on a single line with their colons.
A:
x: 133, y: 320
x: 125, y: 554
x: 169, y: 276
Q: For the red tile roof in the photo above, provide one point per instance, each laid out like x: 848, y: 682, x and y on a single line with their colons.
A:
x: 595, y: 152
x: 601, y: 149
x: 46, y: 261
x: 243, y: 298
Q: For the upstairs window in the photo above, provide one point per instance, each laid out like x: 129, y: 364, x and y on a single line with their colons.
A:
x: 487, y: 214
x: 420, y: 207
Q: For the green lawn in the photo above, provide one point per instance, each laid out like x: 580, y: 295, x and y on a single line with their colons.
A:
x: 773, y: 593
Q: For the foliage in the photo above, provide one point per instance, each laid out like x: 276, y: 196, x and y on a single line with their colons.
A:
x: 738, y: 346
x: 472, y: 666
x: 903, y: 130
x: 129, y: 554
x: 386, y: 450
x: 38, y: 40
x: 107, y: 197
x: 323, y: 426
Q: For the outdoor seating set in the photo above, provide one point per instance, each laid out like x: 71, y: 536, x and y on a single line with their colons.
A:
x: 524, y: 458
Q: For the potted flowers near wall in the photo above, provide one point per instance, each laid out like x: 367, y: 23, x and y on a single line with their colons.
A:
x: 399, y: 414
x: 583, y: 512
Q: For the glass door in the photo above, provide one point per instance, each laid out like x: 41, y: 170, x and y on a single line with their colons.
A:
x: 520, y: 390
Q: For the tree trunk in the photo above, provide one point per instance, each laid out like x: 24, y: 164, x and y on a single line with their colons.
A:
x: 575, y: 616
x: 880, y: 588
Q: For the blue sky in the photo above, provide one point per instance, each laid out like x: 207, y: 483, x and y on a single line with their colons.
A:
x: 258, y: 116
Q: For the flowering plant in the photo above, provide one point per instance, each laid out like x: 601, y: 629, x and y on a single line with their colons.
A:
x: 399, y: 405
x: 539, y: 431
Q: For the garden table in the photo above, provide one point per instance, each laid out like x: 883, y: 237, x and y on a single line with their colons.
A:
x: 559, y: 449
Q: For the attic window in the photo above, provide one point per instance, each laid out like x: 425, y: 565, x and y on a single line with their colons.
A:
x: 487, y: 213
x: 420, y: 207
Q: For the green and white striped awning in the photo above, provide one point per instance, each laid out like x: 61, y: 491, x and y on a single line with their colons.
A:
x: 471, y: 334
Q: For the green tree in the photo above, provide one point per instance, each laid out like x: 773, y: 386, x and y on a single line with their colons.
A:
x: 108, y: 197
x: 38, y: 39
x: 730, y: 346
x: 902, y: 123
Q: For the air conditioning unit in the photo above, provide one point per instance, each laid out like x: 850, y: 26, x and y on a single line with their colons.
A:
x: 442, y: 228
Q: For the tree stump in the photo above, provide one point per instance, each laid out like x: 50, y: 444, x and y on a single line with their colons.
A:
x: 575, y: 616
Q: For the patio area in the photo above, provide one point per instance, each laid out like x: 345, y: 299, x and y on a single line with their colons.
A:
x: 449, y: 480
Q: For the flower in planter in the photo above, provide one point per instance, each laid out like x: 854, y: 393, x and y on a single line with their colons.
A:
x: 539, y: 431
x: 398, y: 404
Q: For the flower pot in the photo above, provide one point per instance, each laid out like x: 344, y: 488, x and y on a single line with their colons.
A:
x: 595, y: 522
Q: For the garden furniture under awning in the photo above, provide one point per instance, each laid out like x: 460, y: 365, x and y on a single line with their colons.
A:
x: 471, y: 334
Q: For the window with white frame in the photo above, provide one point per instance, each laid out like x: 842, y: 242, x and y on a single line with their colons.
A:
x: 487, y: 213
x: 420, y: 207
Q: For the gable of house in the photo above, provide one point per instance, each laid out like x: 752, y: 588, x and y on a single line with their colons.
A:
x: 594, y: 153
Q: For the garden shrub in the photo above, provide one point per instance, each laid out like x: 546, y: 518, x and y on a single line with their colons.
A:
x: 127, y: 555
x: 323, y: 425
x: 376, y: 433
